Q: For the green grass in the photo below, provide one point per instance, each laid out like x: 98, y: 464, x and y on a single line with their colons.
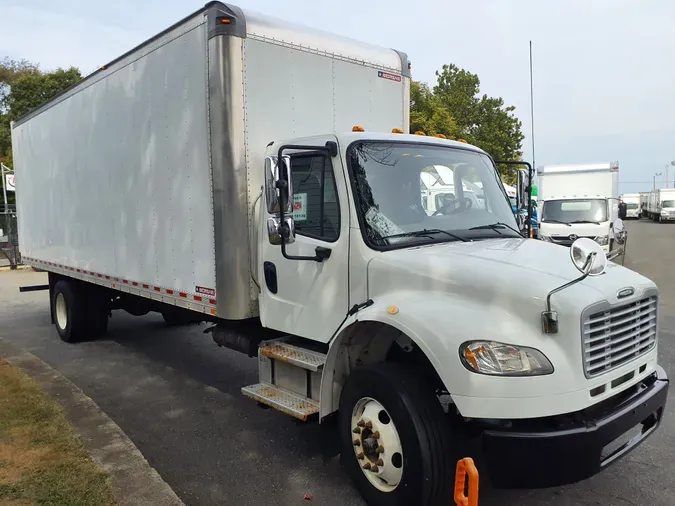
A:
x: 42, y: 461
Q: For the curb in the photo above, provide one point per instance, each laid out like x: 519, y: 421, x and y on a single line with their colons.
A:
x: 133, y: 481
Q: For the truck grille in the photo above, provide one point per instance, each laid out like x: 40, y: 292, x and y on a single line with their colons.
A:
x: 566, y: 240
x: 618, y: 334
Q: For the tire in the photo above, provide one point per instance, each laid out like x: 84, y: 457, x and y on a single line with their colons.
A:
x: 79, y: 313
x: 422, y: 432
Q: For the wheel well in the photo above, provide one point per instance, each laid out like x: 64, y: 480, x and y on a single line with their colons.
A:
x: 367, y: 343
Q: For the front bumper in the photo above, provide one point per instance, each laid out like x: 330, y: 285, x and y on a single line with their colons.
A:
x: 579, y: 446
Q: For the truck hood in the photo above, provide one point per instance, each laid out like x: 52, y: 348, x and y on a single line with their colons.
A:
x: 505, y: 272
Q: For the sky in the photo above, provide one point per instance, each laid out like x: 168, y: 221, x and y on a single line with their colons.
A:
x: 604, y: 70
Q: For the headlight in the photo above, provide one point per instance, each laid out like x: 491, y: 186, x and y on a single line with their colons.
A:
x: 546, y: 238
x: 499, y: 359
x: 602, y: 240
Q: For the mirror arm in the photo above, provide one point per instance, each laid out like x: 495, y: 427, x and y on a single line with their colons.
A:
x: 586, y: 269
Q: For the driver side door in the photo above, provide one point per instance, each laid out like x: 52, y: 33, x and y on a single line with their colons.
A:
x: 306, y: 297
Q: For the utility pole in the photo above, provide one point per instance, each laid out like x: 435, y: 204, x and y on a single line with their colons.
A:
x: 654, y: 179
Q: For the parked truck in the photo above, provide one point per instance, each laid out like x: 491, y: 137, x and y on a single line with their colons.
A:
x: 632, y: 201
x: 578, y: 201
x: 254, y: 175
x: 644, y: 200
x: 661, y: 205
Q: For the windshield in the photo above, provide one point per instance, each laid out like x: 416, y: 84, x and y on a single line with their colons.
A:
x: 575, y: 211
x: 412, y: 193
x: 631, y: 206
x: 668, y: 203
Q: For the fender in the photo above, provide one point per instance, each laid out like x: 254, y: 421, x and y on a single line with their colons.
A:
x: 420, y: 321
x: 438, y: 323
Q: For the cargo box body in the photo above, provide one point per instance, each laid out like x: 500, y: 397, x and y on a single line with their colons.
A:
x: 145, y: 176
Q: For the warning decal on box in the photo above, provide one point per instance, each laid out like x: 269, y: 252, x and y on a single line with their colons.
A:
x: 206, y: 291
x: 387, y: 75
x: 300, y: 206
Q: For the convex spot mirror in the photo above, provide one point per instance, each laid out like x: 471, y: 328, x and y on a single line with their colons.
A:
x: 588, y: 256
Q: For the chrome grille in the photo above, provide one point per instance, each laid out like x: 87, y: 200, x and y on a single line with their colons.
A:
x: 618, y: 334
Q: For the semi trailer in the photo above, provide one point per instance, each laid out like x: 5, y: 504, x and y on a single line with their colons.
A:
x: 257, y: 176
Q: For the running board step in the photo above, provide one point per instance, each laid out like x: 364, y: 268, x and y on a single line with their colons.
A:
x: 282, y: 400
x: 294, y: 355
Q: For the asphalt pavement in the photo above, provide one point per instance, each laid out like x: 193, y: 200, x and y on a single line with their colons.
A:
x: 177, y: 396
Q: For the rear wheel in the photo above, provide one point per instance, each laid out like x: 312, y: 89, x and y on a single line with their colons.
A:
x: 395, y: 438
x: 79, y: 313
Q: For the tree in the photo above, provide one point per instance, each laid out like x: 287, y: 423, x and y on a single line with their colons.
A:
x: 30, y: 91
x: 428, y: 114
x: 483, y: 121
x: 24, y: 87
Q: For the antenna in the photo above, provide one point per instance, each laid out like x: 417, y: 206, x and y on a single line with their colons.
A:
x: 534, y: 165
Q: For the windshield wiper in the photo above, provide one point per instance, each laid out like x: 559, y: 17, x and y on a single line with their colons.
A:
x: 427, y: 232
x: 556, y: 221
x: 496, y: 227
x: 586, y: 221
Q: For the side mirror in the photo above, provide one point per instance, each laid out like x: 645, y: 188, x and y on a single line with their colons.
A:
x: 275, y: 193
x: 522, y: 188
x: 623, y: 209
x: 278, y: 193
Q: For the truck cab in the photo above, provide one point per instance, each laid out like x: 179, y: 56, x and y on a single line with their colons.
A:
x: 578, y: 201
x: 521, y: 337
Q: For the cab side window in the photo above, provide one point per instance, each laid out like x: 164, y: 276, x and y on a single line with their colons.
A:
x: 316, y: 211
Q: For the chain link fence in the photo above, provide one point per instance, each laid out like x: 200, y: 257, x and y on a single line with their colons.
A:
x: 9, y: 239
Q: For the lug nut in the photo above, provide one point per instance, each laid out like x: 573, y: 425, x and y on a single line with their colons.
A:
x: 380, y: 462
x: 357, y: 442
x: 356, y: 430
x: 366, y: 466
x: 374, y: 469
x: 360, y: 456
x: 369, y: 425
x: 376, y: 434
x: 361, y: 423
x: 379, y: 449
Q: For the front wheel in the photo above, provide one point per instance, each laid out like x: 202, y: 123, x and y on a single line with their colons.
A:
x: 395, y: 438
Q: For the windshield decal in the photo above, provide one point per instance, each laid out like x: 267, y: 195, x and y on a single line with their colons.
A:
x: 381, y: 224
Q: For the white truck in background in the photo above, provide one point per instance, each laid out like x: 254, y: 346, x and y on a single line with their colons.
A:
x: 661, y: 205
x: 644, y: 200
x: 578, y: 201
x: 240, y: 171
x: 632, y: 201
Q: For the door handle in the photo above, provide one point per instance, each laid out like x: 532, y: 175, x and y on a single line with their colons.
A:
x: 322, y: 254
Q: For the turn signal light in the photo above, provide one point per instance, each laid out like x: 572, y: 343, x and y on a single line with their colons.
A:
x: 462, y: 140
x: 358, y: 128
x: 419, y: 132
x: 440, y: 136
x: 396, y: 131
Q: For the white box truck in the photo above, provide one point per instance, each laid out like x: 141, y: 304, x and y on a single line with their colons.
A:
x: 661, y: 205
x: 644, y: 200
x: 252, y: 174
x: 578, y: 201
x: 632, y: 201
